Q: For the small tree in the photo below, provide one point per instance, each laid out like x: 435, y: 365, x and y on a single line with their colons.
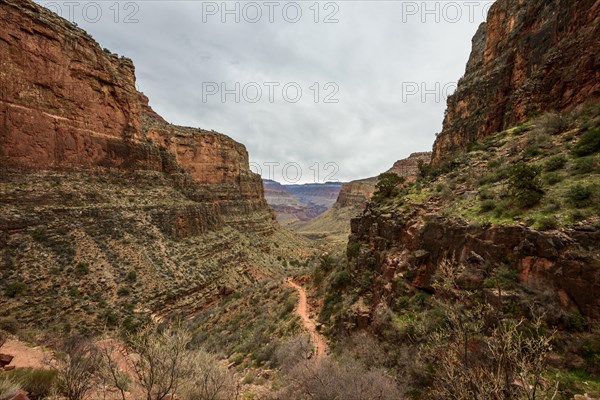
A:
x: 160, y: 360
x: 525, y: 185
x: 387, y: 183
x: 506, y: 363
x: 110, y: 371
x: 77, y: 368
x: 208, y: 380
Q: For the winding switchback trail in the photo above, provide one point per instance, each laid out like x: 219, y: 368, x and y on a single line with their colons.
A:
x: 318, y: 340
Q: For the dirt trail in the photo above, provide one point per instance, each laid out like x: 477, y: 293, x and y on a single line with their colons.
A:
x: 318, y: 340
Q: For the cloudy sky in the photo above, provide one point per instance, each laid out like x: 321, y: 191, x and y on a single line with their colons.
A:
x: 340, y: 88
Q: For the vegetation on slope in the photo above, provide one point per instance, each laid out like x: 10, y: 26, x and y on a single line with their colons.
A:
x: 479, y: 333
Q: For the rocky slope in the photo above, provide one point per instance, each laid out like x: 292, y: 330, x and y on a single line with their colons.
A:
x: 510, y: 200
x: 109, y: 212
x: 529, y: 56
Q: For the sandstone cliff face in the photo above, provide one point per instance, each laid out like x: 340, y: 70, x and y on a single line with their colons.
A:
x: 529, y: 56
x: 66, y: 103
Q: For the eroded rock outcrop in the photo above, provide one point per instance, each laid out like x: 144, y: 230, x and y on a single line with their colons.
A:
x: 530, y: 56
x: 557, y: 266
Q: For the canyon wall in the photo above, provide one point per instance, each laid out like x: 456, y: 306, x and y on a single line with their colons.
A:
x: 296, y: 203
x: 111, y: 214
x: 529, y: 57
x: 67, y: 103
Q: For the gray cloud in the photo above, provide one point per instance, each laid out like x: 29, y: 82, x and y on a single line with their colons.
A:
x: 373, y: 50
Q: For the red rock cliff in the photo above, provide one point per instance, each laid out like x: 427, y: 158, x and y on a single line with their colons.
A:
x: 529, y: 56
x: 66, y: 103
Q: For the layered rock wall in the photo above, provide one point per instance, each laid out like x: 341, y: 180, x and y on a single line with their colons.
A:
x: 66, y: 103
x: 530, y: 56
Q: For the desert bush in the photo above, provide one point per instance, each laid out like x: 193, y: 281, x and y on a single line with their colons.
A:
x: 476, y: 361
x: 493, y: 177
x: 293, y: 351
x: 77, y: 368
x: 37, y: 382
x: 548, y: 223
x: 487, y: 205
x: 551, y: 123
x: 580, y: 195
x: 588, y: 143
x: 353, y: 249
x: 14, y: 289
x: 524, y: 185
x: 9, y: 325
x: 208, y: 380
x: 555, y: 163
x: 347, y: 379
x: 161, y: 363
x: 340, y: 279
x: 553, y: 178
x: 585, y: 165
x: 109, y: 367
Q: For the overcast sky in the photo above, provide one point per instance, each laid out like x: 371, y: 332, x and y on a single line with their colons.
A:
x: 361, y: 66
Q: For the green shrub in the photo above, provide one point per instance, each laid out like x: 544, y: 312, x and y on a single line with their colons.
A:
x: 578, y: 215
x: 589, y: 143
x: 552, y: 206
x: 553, y: 178
x: 555, y: 163
x: 548, y: 223
x: 551, y: 123
x: 39, y: 235
x: 575, y: 322
x: 73, y: 291
x: 131, y: 276
x: 9, y: 324
x: 486, y: 195
x: 531, y: 152
x: 386, y: 185
x: 524, y: 185
x: 123, y: 291
x: 38, y: 382
x: 580, y: 195
x: 82, y: 268
x: 487, y: 205
x: 340, y: 279
x: 326, y: 262
x: 353, y: 250
x: 585, y: 165
x: 14, y: 289
x: 494, y: 177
